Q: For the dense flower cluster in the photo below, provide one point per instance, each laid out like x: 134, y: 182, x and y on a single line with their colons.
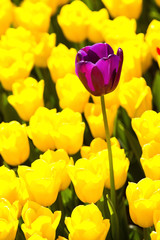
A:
x: 56, y: 58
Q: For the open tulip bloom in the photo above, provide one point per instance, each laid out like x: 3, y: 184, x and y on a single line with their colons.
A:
x: 99, y: 68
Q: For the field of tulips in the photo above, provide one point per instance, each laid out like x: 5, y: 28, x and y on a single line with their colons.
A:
x: 79, y: 120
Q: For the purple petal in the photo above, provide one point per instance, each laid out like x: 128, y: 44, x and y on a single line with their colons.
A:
x: 98, y: 82
x: 101, y: 50
x: 83, y: 71
x: 110, y: 69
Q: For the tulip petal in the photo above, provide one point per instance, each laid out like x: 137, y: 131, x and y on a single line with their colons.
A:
x: 110, y: 69
x: 97, y: 81
x: 83, y: 70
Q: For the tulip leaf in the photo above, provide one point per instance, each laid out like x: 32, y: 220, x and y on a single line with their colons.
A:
x: 156, y: 90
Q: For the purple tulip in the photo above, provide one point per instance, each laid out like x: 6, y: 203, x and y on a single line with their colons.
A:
x: 99, y: 68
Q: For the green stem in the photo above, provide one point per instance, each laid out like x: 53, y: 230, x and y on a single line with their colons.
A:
x: 146, y: 233
x: 38, y: 72
x: 113, y: 193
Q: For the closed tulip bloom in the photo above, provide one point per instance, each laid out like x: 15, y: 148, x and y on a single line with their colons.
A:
x: 120, y: 166
x: 14, y: 65
x: 39, y: 222
x: 12, y: 188
x: 70, y: 91
x: 69, y: 131
x: 32, y: 16
x: 97, y: 145
x: 8, y: 220
x: 42, y: 181
x: 6, y: 15
x: 94, y: 117
x: 56, y: 64
x: 14, y: 144
x: 41, y: 128
x: 147, y: 127
x: 20, y: 38
x: 131, y: 9
x: 86, y: 222
x: 135, y: 100
x: 24, y: 105
x: 143, y: 198
x: 150, y: 160
x: 95, y: 25
x: 55, y: 157
x: 44, y: 43
x: 99, y: 68
x: 73, y: 20
x: 88, y: 179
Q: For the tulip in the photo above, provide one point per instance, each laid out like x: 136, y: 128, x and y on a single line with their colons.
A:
x: 99, y: 68
x: 39, y: 222
x: 86, y: 222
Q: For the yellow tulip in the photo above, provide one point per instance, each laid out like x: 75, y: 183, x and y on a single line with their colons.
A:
x: 73, y: 21
x: 131, y: 9
x: 8, y: 220
x: 55, y: 157
x: 88, y: 179
x: 93, y: 115
x: 86, y: 222
x: 39, y: 222
x: 42, y: 181
x: 97, y: 145
x: 42, y: 128
x: 44, y: 44
x: 27, y: 97
x: 135, y: 100
x: 70, y: 91
x: 56, y: 64
x: 143, y: 198
x: 147, y: 127
x: 95, y: 25
x: 14, y: 144
x: 32, y: 16
x: 150, y: 160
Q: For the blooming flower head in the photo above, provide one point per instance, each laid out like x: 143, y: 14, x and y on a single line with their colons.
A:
x: 70, y: 91
x: 143, y: 198
x: 41, y: 128
x: 55, y: 157
x: 56, y: 64
x: 42, y: 181
x: 150, y: 160
x: 94, y: 117
x: 147, y: 127
x: 73, y: 19
x: 24, y: 105
x: 14, y: 144
x: 99, y: 68
x: 39, y: 221
x: 96, y: 25
x: 86, y: 222
x: 12, y: 188
x: 88, y: 179
x: 8, y: 220
x: 135, y: 100
x: 131, y: 9
x: 32, y: 16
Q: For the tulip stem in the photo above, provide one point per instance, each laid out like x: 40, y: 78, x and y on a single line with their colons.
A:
x: 146, y: 234
x: 113, y: 193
